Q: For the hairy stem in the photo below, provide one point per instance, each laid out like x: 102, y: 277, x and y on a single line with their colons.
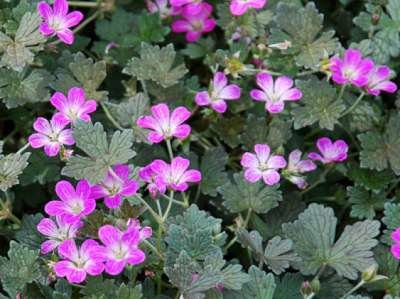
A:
x: 319, y: 181
x: 169, y: 147
x: 110, y: 117
x: 170, y: 198
x: 22, y: 149
x: 83, y: 4
x: 359, y: 285
x: 245, y: 223
x: 154, y: 249
x: 352, y: 107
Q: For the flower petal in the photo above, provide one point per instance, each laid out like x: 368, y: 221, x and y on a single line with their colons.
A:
x: 65, y: 191
x: 55, y: 208
x: 136, y: 257
x: 219, y: 106
x: 44, y: 10
x: 262, y: 152
x: 265, y: 82
x: 274, y: 107
x: 179, y: 115
x: 182, y: 131
x: 282, y: 84
x: 48, y: 246
x: 47, y: 227
x: 276, y: 162
x: 324, y: 144
x: 73, y: 18
x: 202, y: 98
x: 114, y: 267
x: 108, y: 234
x: 249, y: 160
x: 60, y: 7
x: 180, y: 26
x: 252, y: 175
x: 38, y: 140
x: 68, y: 249
x: 113, y: 202
x: 230, y: 92
x: 259, y: 95
x: 42, y: 125
x: 219, y: 82
x: 66, y: 36
x: 271, y: 177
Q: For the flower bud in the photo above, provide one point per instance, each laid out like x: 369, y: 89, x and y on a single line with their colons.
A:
x: 371, y: 274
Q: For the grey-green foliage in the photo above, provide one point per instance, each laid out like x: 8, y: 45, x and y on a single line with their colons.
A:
x: 20, y: 268
x: 240, y: 195
x: 212, y: 169
x: 364, y: 203
x: 302, y: 27
x: 28, y: 234
x: 313, y: 235
x: 319, y: 104
x: 156, y: 64
x: 11, y: 167
x: 389, y: 266
x: 101, y: 152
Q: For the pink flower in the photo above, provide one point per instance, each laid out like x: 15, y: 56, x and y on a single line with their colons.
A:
x: 74, y: 106
x: 57, y: 232
x: 192, y: 7
x: 351, y: 69
x: 220, y: 91
x: 115, y: 186
x: 195, y: 25
x: 147, y: 175
x: 331, y: 152
x: 51, y: 135
x: 164, y: 125
x: 240, y: 7
x: 122, y: 248
x: 57, y: 20
x: 161, y: 7
x: 73, y: 204
x: 274, y: 94
x: 378, y: 80
x: 76, y: 262
x: 262, y: 165
x: 296, y: 167
x: 174, y: 175
x: 395, y: 248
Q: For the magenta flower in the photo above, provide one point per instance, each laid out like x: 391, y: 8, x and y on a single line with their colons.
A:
x: 147, y: 175
x: 175, y: 175
x: 115, y: 186
x: 122, y: 248
x: 57, y: 232
x: 192, y: 7
x: 274, y: 94
x: 220, y: 92
x: 57, y: 20
x: 164, y: 124
x: 51, y: 135
x: 378, y: 80
x: 296, y: 167
x: 351, y: 69
x: 76, y: 262
x: 74, y: 106
x: 195, y: 25
x: 162, y: 8
x: 262, y: 165
x: 331, y: 152
x: 73, y: 204
x: 395, y: 248
x: 240, y: 7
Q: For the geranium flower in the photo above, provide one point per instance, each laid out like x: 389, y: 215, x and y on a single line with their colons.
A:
x: 262, y: 165
x: 115, y: 186
x: 296, y: 167
x: 175, y: 175
x: 74, y: 106
x: 122, y: 248
x: 220, y: 92
x: 57, y: 232
x: 378, y: 80
x: 192, y: 7
x: 147, y: 175
x: 162, y: 7
x: 351, y: 69
x: 195, y: 25
x: 51, y: 135
x: 73, y: 204
x: 330, y: 152
x: 77, y: 262
x: 395, y: 248
x: 57, y: 20
x: 240, y: 7
x: 164, y: 124
x: 274, y: 94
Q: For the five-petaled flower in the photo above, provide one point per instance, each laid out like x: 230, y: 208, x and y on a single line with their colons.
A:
x: 395, y: 248
x: 195, y: 25
x: 330, y: 152
x: 176, y: 175
x: 165, y: 125
x: 220, y: 92
x: 57, y: 232
x: 57, y: 20
x: 352, y: 69
x: 274, y: 94
x: 77, y: 262
x: 262, y: 165
x: 115, y: 186
x: 73, y: 204
x: 122, y: 247
x: 74, y: 106
x: 379, y: 80
x: 240, y: 7
x: 297, y: 167
x: 51, y: 135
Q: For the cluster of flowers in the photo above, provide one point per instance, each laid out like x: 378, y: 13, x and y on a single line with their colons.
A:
x: 395, y: 248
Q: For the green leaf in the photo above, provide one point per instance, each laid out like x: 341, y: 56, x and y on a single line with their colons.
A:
x: 229, y: 129
x: 200, y: 49
x: 313, y: 235
x: 101, y: 153
x: 28, y: 234
x: 212, y: 169
x: 20, y: 268
x: 389, y: 267
x: 97, y: 287
x: 357, y: 297
x: 11, y: 166
x: 17, y: 89
x: 370, y: 179
x: 128, y: 292
x: 17, y: 51
x: 289, y: 286
x: 278, y: 254
x: 41, y: 169
x: 318, y: 104
x: 380, y: 151
x: 240, y: 195
x: 364, y: 203
x: 302, y: 28
x: 333, y: 286
x: 156, y: 64
x: 391, y: 219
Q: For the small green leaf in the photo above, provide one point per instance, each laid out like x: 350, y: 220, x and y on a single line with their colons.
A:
x: 28, y: 234
x: 41, y: 169
x: 11, y: 166
x: 278, y: 254
x: 213, y: 173
x: 229, y: 129
x: 364, y: 204
x: 370, y: 179
x: 289, y: 286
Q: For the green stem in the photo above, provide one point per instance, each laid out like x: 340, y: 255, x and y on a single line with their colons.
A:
x: 159, y: 210
x: 169, y: 147
x: 22, y: 149
x: 144, y: 87
x: 174, y: 200
x: 341, y: 93
x: 319, y: 181
x: 110, y: 117
x: 354, y: 105
x: 267, y: 71
x: 83, y: 4
x: 245, y: 223
x: 150, y: 209
x: 394, y: 185
x: 359, y: 285
x: 171, y: 197
x: 154, y: 249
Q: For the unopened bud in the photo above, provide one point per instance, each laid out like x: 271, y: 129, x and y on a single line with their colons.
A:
x: 371, y: 274
x: 306, y: 289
